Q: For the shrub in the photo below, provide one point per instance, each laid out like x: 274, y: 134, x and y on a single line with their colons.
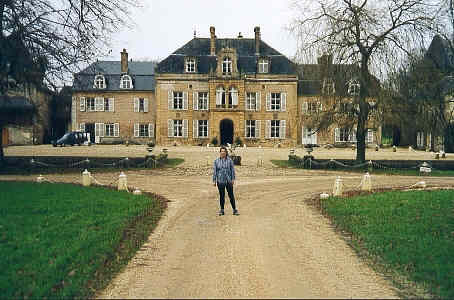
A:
x: 238, y: 141
x: 214, y: 141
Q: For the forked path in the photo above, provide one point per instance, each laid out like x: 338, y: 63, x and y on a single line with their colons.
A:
x: 277, y: 248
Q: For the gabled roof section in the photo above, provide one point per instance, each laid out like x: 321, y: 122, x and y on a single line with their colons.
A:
x: 441, y: 54
x: 142, y: 74
x: 245, y: 49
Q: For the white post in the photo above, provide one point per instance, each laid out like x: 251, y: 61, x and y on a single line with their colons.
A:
x: 40, y: 179
x: 86, y: 180
x: 337, y: 190
x: 366, y: 184
x: 122, y: 182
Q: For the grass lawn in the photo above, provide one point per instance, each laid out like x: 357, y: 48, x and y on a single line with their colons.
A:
x: 66, y: 241
x: 405, y: 233
x: 402, y: 172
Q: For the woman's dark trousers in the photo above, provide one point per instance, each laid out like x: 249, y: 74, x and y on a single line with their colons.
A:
x: 222, y: 187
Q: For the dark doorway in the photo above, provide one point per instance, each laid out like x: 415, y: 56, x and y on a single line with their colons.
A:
x: 90, y: 128
x: 226, y: 129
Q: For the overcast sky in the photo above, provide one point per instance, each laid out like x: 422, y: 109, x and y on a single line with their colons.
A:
x: 163, y: 26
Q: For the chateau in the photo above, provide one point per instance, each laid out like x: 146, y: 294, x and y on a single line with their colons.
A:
x: 228, y: 89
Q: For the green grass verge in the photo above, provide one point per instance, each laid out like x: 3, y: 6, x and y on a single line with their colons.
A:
x: 406, y: 233
x: 404, y: 172
x: 66, y: 241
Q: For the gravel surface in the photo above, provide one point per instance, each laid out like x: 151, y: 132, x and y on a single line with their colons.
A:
x: 277, y: 248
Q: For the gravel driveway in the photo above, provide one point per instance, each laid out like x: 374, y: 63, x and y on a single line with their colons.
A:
x: 277, y: 248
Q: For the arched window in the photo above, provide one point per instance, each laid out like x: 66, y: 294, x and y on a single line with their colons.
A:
x: 328, y: 86
x: 227, y: 65
x: 126, y: 82
x: 220, y: 96
x: 233, y: 97
x: 100, y: 82
x: 353, y: 87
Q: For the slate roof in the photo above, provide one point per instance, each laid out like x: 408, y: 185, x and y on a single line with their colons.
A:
x: 440, y: 53
x: 245, y: 49
x: 10, y: 104
x: 142, y: 74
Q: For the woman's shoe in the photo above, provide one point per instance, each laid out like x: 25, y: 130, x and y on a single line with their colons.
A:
x: 236, y: 213
x: 221, y: 212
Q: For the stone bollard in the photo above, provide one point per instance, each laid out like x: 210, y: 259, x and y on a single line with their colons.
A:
x: 376, y: 147
x: 437, y: 155
x: 337, y: 190
x: 137, y: 192
x: 394, y: 149
x: 443, y: 154
x: 122, y: 182
x: 86, y: 178
x: 40, y: 179
x: 410, y: 148
x: 324, y: 196
x: 366, y: 183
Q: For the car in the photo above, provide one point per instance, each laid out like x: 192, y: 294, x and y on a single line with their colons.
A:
x: 72, y: 138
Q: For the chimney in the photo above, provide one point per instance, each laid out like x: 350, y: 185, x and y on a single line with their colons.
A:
x: 124, y: 61
x: 257, y: 40
x: 212, y: 41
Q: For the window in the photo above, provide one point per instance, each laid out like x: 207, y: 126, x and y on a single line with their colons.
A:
x: 227, y: 65
x: 126, y: 82
x: 328, y: 86
x: 220, y: 96
x: 143, y: 130
x: 110, y: 130
x: 275, y: 101
x: 251, y: 129
x: 344, y: 135
x: 106, y: 104
x: 312, y: 107
x: 309, y: 136
x: 263, y: 65
x: 275, y: 125
x: 229, y: 101
x: 100, y: 82
x: 233, y: 97
x: 251, y: 101
x: 420, y: 139
x: 178, y: 100
x: 190, y: 65
x: 353, y: 88
x: 203, y: 128
x: 177, y: 128
x: 141, y: 105
x: 202, y: 100
x: 90, y: 104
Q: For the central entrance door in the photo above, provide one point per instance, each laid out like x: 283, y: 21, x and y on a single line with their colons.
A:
x: 226, y: 130
x: 90, y: 128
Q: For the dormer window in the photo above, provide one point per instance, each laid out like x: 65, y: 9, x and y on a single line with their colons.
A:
x: 126, y: 82
x: 100, y: 82
x: 190, y: 65
x: 353, y: 88
x: 227, y: 65
x: 328, y: 86
x: 263, y: 65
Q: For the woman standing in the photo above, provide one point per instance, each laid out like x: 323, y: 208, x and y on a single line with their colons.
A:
x: 224, y: 178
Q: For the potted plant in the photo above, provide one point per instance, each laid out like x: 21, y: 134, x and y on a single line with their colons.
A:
x: 150, y: 146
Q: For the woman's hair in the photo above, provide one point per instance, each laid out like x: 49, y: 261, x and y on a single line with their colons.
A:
x: 225, y: 148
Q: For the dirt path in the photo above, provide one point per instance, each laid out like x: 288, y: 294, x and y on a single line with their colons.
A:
x: 277, y: 248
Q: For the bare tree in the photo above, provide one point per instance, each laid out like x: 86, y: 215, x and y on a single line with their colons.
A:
x: 45, y: 41
x: 369, y: 34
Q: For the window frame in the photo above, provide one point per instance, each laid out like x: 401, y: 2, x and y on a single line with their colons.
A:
x: 190, y: 65
x: 329, y: 87
x: 90, y: 104
x: 99, y: 82
x: 249, y: 100
x: 250, y: 129
x: 202, y: 127
x: 227, y: 64
x: 354, y: 88
x: 176, y: 98
x: 109, y: 129
x: 126, y: 79
x: 277, y: 101
x: 263, y: 62
x: 178, y: 128
x: 275, y: 127
x: 202, y: 100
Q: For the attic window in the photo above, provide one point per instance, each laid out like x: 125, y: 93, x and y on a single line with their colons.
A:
x: 328, y: 86
x: 126, y: 82
x: 353, y: 88
x: 263, y: 65
x: 100, y: 82
x: 190, y: 65
x: 227, y: 65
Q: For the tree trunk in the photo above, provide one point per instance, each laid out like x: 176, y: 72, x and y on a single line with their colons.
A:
x: 2, y: 156
x: 360, y: 140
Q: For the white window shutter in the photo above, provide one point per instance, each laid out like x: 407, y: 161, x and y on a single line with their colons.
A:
x: 320, y: 107
x: 99, y: 104
x: 268, y: 129
x: 336, y: 135
x: 208, y: 100
x: 282, y: 129
x: 303, y: 135
x: 136, y: 104
x: 117, y: 129
x: 170, y: 100
x: 195, y: 101
x: 283, y: 101
x: 185, y: 128
x: 102, y: 129
x: 370, y: 136
x: 314, y: 138
x: 145, y: 105
x: 82, y: 127
x: 82, y: 103
x: 218, y: 97
x: 185, y: 100
x: 234, y: 97
x: 170, y: 128
x: 136, y: 130
x: 208, y: 128
x: 245, y: 101
x: 305, y: 107
x: 257, y: 128
x: 151, y: 130
x: 258, y: 102
x: 245, y: 128
x: 97, y: 125
x: 195, y: 131
x: 112, y: 104
x: 268, y: 101
x: 99, y: 129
